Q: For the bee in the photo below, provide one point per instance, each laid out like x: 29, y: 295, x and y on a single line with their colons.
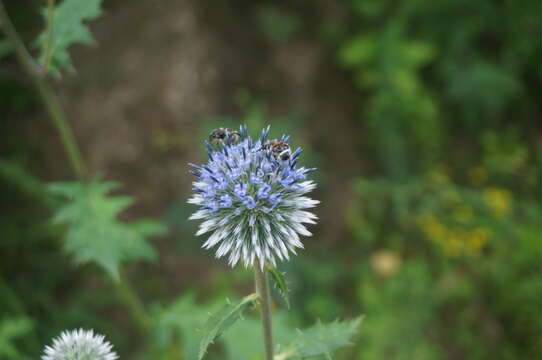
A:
x: 278, y: 149
x: 224, y: 136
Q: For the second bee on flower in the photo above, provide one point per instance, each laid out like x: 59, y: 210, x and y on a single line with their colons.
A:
x: 251, y: 196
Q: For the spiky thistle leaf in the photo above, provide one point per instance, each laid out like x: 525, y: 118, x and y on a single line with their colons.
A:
x: 280, y: 283
x: 222, y: 320
x: 94, y: 232
x: 320, y: 340
x: 67, y: 28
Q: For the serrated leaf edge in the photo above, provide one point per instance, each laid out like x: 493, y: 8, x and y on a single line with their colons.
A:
x: 280, y: 283
x: 354, y: 323
x: 216, y: 330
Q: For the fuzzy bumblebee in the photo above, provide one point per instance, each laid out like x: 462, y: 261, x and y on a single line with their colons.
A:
x: 252, y: 202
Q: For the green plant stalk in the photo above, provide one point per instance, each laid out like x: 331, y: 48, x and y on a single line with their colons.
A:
x: 54, y: 109
x: 262, y: 289
x: 46, y: 94
x: 130, y: 298
x: 13, y: 37
x: 49, y: 40
x: 57, y: 115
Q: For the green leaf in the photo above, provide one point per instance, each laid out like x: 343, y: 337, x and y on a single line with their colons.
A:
x: 5, y: 48
x: 222, y: 320
x: 94, y: 232
x: 320, y: 340
x: 277, y: 24
x: 358, y: 51
x: 465, y: 85
x: 17, y: 175
x: 11, y: 329
x: 244, y: 340
x: 68, y: 28
x: 178, y: 321
x: 280, y: 283
x: 149, y: 228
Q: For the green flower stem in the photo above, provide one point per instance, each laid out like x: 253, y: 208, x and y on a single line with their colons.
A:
x: 262, y: 289
x: 63, y: 127
x: 130, y: 298
x: 54, y: 109
x: 47, y: 95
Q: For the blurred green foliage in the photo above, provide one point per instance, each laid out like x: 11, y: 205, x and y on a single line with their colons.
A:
x: 5, y: 48
x: 63, y: 29
x: 177, y: 324
x: 320, y: 340
x: 401, y: 310
x: 11, y: 329
x: 277, y: 24
x: 95, y: 235
x: 442, y: 244
x: 450, y: 107
x: 222, y: 320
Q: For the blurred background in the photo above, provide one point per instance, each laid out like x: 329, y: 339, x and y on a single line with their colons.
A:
x: 423, y: 117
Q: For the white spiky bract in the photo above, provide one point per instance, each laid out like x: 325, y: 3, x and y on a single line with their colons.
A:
x: 79, y: 345
x: 252, y: 203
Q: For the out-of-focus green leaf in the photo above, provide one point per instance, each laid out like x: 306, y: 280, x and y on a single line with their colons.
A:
x: 11, y: 329
x: 222, y: 320
x: 417, y: 53
x: 280, y: 283
x: 501, y: 87
x: 401, y: 309
x: 147, y: 228
x: 357, y: 51
x: 19, y: 176
x: 181, y: 320
x: 277, y: 24
x: 244, y: 340
x: 320, y: 340
x: 68, y: 28
x: 5, y: 48
x: 94, y: 232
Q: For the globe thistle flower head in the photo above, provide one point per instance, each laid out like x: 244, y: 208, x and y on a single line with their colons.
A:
x: 251, y: 196
x: 79, y: 345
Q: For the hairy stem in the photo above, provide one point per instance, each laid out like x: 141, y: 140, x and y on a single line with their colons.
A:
x: 49, y: 37
x: 47, y: 95
x: 262, y: 289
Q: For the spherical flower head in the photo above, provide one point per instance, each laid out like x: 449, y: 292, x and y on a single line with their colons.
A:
x: 79, y: 345
x: 251, y: 196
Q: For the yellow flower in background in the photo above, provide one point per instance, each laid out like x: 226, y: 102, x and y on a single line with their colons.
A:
x: 477, y: 239
x: 453, y: 246
x: 465, y: 242
x: 463, y: 214
x: 432, y: 228
x: 499, y: 201
x: 454, y: 241
x: 458, y: 236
